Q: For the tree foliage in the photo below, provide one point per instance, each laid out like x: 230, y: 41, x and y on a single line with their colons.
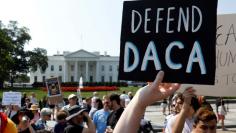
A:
x: 14, y: 60
x: 38, y: 59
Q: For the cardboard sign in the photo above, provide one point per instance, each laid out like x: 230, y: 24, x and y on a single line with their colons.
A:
x: 54, y: 90
x: 225, y: 82
x: 177, y: 37
x: 11, y: 98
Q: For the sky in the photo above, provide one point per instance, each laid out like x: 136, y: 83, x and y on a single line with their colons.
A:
x: 70, y: 25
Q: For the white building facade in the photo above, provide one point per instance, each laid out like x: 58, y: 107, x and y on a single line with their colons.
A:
x: 69, y: 67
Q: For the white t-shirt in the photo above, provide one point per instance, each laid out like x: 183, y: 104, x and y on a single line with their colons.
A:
x: 188, y: 125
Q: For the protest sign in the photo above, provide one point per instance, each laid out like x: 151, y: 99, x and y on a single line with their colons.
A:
x: 177, y: 37
x: 225, y: 82
x: 11, y: 98
x: 54, y: 90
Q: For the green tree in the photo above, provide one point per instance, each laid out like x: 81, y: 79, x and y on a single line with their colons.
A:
x: 22, y: 78
x: 19, y: 37
x: 38, y: 59
x: 6, y: 59
x: 14, y: 60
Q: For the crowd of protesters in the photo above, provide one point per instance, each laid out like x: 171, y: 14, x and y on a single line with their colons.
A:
x: 114, y: 113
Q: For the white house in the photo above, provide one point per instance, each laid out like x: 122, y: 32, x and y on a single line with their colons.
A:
x: 69, y: 67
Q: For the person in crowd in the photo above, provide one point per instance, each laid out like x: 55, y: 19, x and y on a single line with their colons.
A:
x: 61, y: 121
x: 177, y: 102
x: 77, y: 116
x: 117, y: 110
x: 6, y: 124
x: 22, y: 120
x: 183, y: 121
x: 88, y: 103
x: 130, y: 95
x: 43, y: 103
x: 93, y: 100
x: 164, y: 105
x: 72, y: 98
x: 98, y: 105
x: 45, y: 115
x: 170, y: 107
x: 33, y: 98
x: 23, y: 99
x: 205, y: 121
x: 12, y: 111
x: 100, y: 117
x: 206, y: 104
x: 27, y: 103
x: 1, y: 108
x: 123, y: 98
x: 217, y: 103
x: 35, y: 111
x: 129, y: 121
x: 221, y: 113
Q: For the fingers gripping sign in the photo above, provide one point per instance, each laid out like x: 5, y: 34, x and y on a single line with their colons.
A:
x: 156, y: 91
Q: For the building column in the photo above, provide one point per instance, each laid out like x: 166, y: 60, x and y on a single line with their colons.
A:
x: 76, y: 71
x: 86, y: 70
x: 65, y: 72
x: 97, y: 71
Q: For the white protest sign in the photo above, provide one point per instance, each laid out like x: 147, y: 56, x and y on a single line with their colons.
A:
x: 11, y: 98
x: 225, y: 82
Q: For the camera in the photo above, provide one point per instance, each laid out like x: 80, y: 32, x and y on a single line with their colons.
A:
x: 24, y: 119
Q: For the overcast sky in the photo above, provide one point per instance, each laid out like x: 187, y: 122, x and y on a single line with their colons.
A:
x: 70, y: 25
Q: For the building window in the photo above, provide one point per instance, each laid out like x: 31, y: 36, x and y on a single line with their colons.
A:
x: 103, y: 67
x: 35, y: 79
x: 91, y: 78
x: 110, y: 78
x: 72, y: 78
x: 110, y: 68
x: 52, y: 68
x: 91, y: 68
x: 44, y: 78
x: 72, y: 67
x: 103, y: 78
x: 60, y: 79
x: 60, y: 67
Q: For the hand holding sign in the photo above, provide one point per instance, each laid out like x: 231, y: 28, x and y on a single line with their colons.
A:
x: 156, y: 91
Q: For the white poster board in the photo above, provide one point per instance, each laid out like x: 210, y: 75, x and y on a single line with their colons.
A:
x: 225, y: 82
x: 11, y: 98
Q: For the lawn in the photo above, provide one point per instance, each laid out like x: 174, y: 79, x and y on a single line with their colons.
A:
x: 39, y: 93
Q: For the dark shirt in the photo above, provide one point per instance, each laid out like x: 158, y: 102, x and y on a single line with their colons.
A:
x: 114, y: 117
x: 59, y: 127
x: 71, y: 128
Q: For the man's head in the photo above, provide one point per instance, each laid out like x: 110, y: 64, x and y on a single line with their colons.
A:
x: 61, y: 116
x: 106, y: 102
x: 114, y: 101
x: 72, y: 98
x: 205, y: 121
x: 46, y: 114
x: 76, y: 115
